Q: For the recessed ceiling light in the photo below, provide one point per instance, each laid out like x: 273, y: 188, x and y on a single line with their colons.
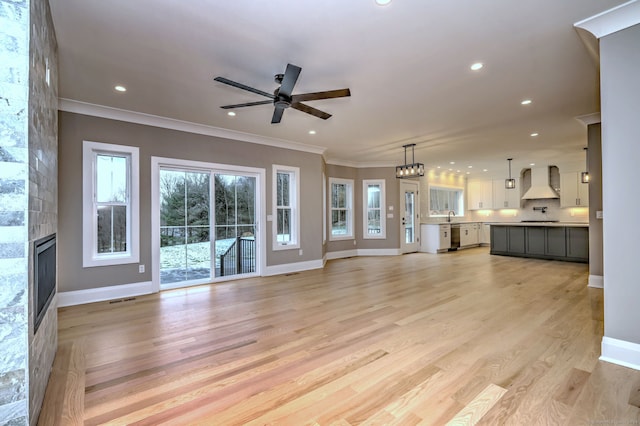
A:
x: 476, y: 66
x: 485, y: 170
x: 231, y: 114
x: 534, y: 134
x: 532, y: 164
x: 457, y: 171
x: 120, y: 88
x: 452, y: 162
x: 438, y: 167
x: 312, y: 132
x: 468, y: 173
x: 469, y: 167
x: 526, y: 102
x: 383, y: 2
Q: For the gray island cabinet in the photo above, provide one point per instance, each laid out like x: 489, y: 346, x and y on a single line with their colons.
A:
x: 542, y: 241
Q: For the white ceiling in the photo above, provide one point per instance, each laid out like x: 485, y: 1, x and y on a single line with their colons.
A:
x: 407, y: 65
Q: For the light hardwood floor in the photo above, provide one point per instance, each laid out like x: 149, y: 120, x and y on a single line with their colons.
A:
x: 461, y: 338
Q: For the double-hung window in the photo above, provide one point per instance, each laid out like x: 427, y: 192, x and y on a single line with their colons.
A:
x: 286, y: 206
x: 110, y: 204
x: 374, y: 221
x: 341, y: 208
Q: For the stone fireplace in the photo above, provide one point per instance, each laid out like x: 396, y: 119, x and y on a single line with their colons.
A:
x: 44, y: 277
x: 28, y: 206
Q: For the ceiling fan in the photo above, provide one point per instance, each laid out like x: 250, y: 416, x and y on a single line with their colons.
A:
x: 282, y: 97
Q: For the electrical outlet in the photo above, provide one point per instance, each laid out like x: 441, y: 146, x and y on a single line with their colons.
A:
x: 300, y: 252
x: 141, y: 269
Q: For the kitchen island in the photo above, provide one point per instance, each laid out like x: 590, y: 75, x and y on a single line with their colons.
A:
x: 542, y: 240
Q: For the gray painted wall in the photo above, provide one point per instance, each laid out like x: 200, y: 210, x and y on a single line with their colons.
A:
x: 153, y: 141
x: 620, y: 89
x: 392, y: 189
x: 595, y: 199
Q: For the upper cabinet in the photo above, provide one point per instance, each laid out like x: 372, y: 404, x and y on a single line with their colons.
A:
x: 480, y: 194
x: 573, y: 193
x: 504, y: 198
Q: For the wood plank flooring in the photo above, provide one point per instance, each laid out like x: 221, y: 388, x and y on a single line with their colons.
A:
x: 461, y: 338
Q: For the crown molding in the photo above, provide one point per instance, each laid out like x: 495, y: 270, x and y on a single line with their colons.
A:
x: 610, y: 21
x: 359, y: 165
x: 589, y: 119
x: 78, y: 107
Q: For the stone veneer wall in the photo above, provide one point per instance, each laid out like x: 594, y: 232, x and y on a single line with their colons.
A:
x: 14, y: 176
x: 43, y: 188
x: 28, y: 201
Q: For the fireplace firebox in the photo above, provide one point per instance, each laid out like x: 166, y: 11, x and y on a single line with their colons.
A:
x: 44, y: 268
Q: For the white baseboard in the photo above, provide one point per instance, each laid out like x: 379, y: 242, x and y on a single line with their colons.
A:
x: 621, y: 352
x: 362, y: 252
x: 100, y: 294
x: 341, y: 254
x: 379, y: 252
x: 596, y: 281
x: 288, y: 268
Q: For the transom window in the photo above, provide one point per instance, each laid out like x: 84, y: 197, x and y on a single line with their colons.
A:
x: 110, y: 204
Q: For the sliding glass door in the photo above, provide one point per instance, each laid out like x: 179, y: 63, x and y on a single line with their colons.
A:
x: 208, y: 225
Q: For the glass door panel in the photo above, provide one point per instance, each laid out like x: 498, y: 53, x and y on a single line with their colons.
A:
x: 410, y: 216
x: 235, y: 224
x: 185, y: 242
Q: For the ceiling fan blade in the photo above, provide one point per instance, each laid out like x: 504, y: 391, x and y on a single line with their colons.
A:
x: 277, y: 115
x: 247, y: 104
x: 310, y: 110
x: 243, y: 87
x: 289, y: 80
x: 329, y: 94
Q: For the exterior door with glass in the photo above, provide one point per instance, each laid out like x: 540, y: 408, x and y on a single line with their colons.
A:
x: 208, y: 226
x: 409, y: 216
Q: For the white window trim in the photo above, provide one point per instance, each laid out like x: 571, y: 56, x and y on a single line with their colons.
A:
x: 295, y: 207
x: 350, y: 216
x: 324, y: 208
x: 90, y: 257
x: 365, y: 209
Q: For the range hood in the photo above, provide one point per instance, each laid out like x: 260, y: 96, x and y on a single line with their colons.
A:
x: 540, y: 187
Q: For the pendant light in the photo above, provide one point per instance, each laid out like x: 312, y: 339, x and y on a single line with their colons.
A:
x: 409, y: 170
x: 510, y: 183
x: 584, y: 176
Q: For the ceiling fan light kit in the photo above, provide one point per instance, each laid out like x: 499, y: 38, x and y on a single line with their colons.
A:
x: 409, y: 170
x: 282, y: 98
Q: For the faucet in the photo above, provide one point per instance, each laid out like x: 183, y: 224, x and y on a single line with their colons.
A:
x: 451, y: 212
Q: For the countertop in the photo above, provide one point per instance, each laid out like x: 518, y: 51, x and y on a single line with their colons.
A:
x: 547, y: 224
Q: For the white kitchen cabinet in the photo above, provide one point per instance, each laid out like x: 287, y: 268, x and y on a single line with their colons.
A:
x: 485, y: 234
x: 480, y: 194
x: 504, y: 198
x: 436, y: 237
x: 469, y: 234
x: 573, y: 193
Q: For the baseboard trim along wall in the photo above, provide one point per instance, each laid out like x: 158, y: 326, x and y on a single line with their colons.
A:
x: 289, y: 268
x: 596, y: 281
x: 362, y: 252
x: 621, y: 352
x: 100, y: 294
